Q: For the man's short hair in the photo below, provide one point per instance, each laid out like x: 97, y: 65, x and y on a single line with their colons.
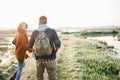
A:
x: 43, y: 20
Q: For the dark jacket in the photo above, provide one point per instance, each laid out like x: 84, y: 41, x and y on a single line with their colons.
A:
x: 54, y: 41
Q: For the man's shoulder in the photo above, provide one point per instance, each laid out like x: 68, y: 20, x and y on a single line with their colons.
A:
x: 51, y: 29
x: 34, y: 31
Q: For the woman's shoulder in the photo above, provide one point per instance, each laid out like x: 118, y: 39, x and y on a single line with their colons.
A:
x: 20, y: 35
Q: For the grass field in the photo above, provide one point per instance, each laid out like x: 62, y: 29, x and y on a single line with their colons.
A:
x: 77, y: 59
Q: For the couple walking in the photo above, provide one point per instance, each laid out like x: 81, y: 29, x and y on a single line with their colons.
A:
x: 22, y: 45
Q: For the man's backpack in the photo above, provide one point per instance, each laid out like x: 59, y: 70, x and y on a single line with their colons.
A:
x: 42, y: 44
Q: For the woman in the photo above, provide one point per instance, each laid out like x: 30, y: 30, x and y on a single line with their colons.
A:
x: 20, y: 42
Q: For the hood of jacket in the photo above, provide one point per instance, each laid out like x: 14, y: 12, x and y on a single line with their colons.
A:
x: 20, y: 29
x: 42, y: 27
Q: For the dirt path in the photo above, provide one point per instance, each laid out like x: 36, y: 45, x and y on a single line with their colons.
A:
x: 67, y: 51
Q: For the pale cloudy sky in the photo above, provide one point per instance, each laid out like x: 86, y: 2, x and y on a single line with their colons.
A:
x: 60, y: 13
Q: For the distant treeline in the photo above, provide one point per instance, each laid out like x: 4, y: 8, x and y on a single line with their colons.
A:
x: 85, y: 32
x: 97, y: 33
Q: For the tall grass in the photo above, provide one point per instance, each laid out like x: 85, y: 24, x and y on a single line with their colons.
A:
x: 95, y: 63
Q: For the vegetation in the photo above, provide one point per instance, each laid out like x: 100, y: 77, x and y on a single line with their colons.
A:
x: 91, y: 61
x: 95, y: 33
x: 7, y: 69
x: 77, y: 59
x: 94, y: 63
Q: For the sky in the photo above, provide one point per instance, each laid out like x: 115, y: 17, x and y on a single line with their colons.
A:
x: 60, y: 13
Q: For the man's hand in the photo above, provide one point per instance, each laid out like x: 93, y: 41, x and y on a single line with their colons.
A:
x: 56, y: 49
x: 34, y: 51
x: 30, y: 49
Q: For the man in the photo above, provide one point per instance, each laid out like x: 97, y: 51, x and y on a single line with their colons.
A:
x: 47, y: 62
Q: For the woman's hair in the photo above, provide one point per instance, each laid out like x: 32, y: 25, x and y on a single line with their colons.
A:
x: 42, y: 20
x: 20, y: 28
x: 22, y: 31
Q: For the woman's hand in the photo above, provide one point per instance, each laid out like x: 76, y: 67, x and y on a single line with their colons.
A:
x: 26, y: 56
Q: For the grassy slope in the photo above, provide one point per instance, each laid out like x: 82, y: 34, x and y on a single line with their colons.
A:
x: 77, y: 59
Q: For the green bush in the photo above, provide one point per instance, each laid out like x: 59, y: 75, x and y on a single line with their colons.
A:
x: 8, y: 70
x: 1, y: 75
